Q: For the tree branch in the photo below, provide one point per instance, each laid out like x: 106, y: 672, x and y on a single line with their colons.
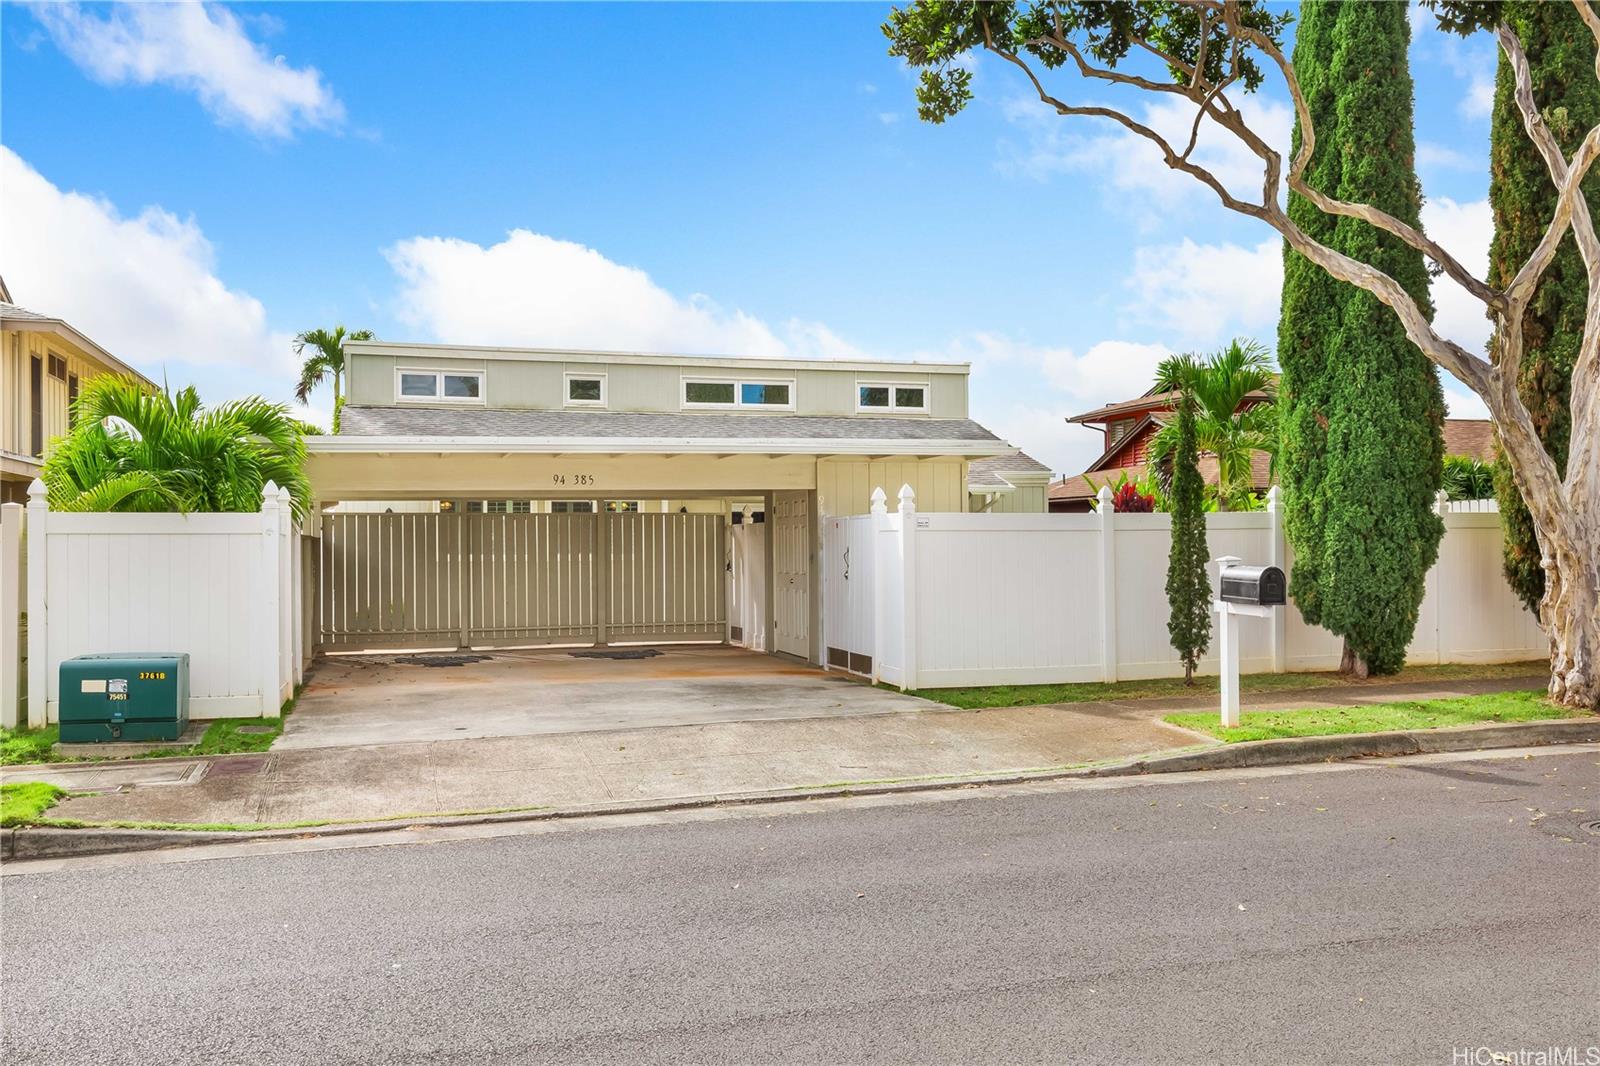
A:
x: 1365, y: 212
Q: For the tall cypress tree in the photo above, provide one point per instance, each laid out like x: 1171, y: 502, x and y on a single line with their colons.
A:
x: 1523, y: 199
x: 1308, y: 316
x: 1188, y: 584
x: 1362, y: 408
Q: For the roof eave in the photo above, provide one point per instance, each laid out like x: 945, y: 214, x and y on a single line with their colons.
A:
x: 65, y: 331
x: 354, y: 444
x: 689, y: 360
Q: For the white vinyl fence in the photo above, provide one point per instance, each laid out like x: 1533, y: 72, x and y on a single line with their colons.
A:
x: 928, y: 600
x: 225, y: 588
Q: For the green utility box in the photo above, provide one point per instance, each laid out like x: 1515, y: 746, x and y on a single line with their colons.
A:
x: 124, y: 697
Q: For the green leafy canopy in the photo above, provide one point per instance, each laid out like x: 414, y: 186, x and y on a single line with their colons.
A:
x: 935, y: 37
x: 137, y: 449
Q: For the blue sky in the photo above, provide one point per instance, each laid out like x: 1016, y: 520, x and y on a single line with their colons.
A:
x: 192, y: 185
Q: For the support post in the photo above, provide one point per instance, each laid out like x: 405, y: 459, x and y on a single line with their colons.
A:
x: 268, y: 591
x: 297, y: 592
x: 1108, y: 585
x: 1230, y: 666
x: 1228, y: 648
x: 38, y: 610
x: 1277, y: 555
x: 908, y: 581
x: 880, y: 523
x: 602, y: 574
x: 463, y: 580
x: 11, y: 583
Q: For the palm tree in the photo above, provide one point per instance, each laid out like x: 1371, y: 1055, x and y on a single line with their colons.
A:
x: 327, y: 357
x: 137, y: 449
x: 1219, y: 386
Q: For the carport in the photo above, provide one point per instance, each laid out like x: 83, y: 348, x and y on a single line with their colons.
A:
x: 355, y: 700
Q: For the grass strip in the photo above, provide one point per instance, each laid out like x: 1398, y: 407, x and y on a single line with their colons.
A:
x: 986, y: 696
x: 1529, y: 706
x: 23, y: 802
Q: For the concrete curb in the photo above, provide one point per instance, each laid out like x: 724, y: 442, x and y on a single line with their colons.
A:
x: 48, y: 842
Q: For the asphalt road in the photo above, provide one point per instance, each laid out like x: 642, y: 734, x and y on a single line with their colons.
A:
x: 1373, y: 914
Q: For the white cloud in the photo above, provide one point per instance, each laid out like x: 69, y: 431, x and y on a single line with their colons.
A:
x: 532, y: 289
x: 145, y: 287
x: 1204, y: 294
x: 1465, y: 230
x: 200, y: 48
x: 1441, y: 157
x: 1004, y: 369
x: 1068, y: 144
x: 1472, y: 59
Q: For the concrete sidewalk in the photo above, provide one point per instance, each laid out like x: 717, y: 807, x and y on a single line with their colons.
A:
x: 396, y: 780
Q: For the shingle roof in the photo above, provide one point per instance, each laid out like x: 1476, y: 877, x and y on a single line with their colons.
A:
x: 1469, y: 436
x: 395, y: 421
x: 32, y: 321
x: 989, y: 472
x: 1156, y: 401
x: 1077, y: 488
x: 11, y: 310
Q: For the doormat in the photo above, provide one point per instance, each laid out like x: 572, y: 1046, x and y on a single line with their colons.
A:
x: 441, y: 660
x: 620, y: 653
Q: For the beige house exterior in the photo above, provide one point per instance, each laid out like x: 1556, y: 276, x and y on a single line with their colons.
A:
x: 44, y: 362
x: 498, y: 497
x: 544, y: 425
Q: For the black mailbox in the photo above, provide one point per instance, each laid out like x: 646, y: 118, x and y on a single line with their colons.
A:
x: 1260, y: 585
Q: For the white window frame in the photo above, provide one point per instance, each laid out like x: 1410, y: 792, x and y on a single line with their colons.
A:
x: 438, y: 386
x: 738, y: 389
x: 566, y: 389
x: 893, y: 408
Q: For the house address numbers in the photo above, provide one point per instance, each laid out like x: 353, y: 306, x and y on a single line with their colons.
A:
x: 573, y: 479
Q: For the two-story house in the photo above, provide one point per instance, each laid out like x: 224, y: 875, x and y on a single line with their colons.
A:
x: 44, y: 361
x: 613, y: 477
x: 1129, y: 426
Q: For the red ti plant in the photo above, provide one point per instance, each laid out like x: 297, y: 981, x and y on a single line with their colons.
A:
x: 1129, y: 500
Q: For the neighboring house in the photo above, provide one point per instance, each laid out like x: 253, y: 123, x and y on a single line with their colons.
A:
x: 1015, y: 483
x: 44, y: 361
x: 1128, y: 428
x: 1471, y: 437
x: 577, y: 497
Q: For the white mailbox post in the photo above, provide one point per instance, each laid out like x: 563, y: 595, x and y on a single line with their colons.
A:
x: 1242, y: 592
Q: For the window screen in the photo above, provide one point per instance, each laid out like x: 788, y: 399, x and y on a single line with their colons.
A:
x: 708, y: 391
x: 754, y: 393
x: 583, y: 390
x: 911, y: 398
x: 462, y: 386
x: 419, y: 385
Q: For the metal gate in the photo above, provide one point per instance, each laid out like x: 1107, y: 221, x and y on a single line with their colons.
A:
x: 509, y: 580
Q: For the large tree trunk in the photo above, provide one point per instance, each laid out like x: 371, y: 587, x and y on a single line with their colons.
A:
x: 1570, y: 614
x: 1566, y: 519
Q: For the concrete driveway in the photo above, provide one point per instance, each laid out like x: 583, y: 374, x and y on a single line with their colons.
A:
x: 354, y: 700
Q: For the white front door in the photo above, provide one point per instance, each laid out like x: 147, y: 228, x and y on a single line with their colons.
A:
x: 791, y: 574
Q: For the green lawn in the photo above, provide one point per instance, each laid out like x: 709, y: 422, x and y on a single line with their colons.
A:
x: 22, y: 802
x: 27, y: 745
x: 222, y: 737
x: 1376, y: 717
x: 1031, y: 695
